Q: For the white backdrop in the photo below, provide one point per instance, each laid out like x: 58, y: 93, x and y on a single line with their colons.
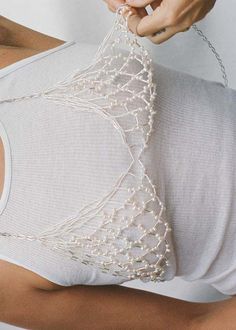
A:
x: 88, y: 21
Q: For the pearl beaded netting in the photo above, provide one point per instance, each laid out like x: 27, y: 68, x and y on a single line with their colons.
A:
x: 125, y: 233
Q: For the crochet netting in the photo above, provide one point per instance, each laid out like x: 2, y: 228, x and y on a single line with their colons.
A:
x: 113, y: 233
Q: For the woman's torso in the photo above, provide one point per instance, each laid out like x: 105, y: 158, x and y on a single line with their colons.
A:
x: 191, y: 160
x: 50, y: 185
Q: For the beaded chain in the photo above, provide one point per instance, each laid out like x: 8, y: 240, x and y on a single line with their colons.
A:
x: 124, y: 233
x: 213, y: 50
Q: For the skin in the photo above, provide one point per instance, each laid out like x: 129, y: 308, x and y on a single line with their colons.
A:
x: 18, y: 42
x: 99, y: 307
x: 33, y: 302
x: 172, y: 15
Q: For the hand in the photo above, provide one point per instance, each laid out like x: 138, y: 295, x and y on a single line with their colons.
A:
x: 114, y: 4
x: 134, y: 19
x: 169, y: 17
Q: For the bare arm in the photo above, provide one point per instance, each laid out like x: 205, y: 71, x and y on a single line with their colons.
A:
x: 100, y: 307
x: 17, y: 35
x: 18, y: 42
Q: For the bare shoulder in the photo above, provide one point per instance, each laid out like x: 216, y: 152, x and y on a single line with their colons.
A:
x: 13, y: 277
x: 10, y: 55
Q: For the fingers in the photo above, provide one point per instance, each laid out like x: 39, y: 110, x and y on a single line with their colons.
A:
x: 135, y: 17
x: 170, y: 17
x: 133, y: 22
x: 162, y: 24
x: 142, y: 12
x: 142, y: 24
x: 155, y: 4
x: 114, y: 4
x: 139, y: 3
x: 167, y: 34
x: 152, y: 23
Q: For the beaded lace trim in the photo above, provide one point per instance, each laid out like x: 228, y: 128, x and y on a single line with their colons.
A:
x: 125, y: 233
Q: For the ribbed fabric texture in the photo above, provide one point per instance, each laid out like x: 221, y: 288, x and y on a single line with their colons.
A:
x: 194, y: 148
x: 191, y: 158
x: 61, y: 160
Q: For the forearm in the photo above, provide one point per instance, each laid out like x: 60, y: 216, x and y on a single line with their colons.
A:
x: 101, y: 307
x: 17, y: 35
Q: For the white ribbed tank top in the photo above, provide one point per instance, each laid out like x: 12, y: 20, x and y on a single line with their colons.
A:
x: 58, y: 160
